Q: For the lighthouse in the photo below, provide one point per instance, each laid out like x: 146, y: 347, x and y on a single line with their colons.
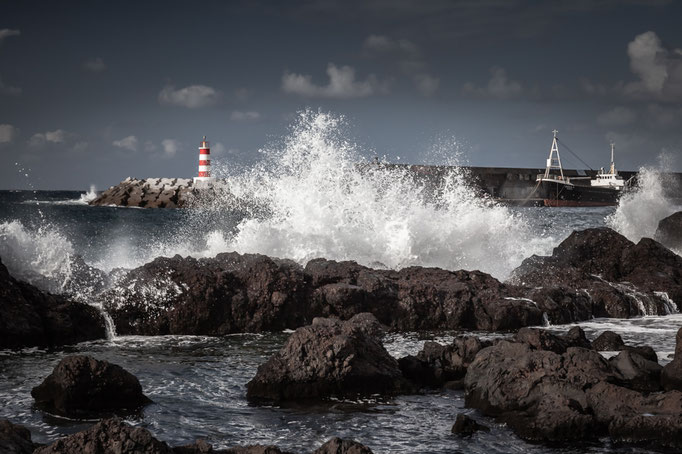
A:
x: 204, y: 163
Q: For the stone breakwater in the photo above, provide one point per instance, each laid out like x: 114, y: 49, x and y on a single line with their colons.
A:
x: 149, y: 193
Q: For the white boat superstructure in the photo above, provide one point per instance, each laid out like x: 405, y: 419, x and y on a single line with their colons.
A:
x: 609, y: 179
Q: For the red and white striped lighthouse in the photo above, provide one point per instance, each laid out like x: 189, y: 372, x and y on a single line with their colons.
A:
x: 204, y: 162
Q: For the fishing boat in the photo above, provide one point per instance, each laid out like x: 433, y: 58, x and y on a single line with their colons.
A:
x: 559, y: 190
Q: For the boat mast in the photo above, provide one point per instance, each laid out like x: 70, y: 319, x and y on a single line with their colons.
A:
x: 554, y: 162
x: 613, y: 165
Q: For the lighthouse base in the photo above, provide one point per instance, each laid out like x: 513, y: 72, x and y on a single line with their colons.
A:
x: 203, y: 182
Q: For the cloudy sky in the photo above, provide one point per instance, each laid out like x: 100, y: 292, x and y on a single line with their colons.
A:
x: 92, y: 92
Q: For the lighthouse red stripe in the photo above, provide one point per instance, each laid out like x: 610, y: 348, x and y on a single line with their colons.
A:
x: 205, y: 163
x: 204, y: 151
x: 204, y: 174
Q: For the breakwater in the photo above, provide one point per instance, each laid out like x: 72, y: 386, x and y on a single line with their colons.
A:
x: 504, y: 184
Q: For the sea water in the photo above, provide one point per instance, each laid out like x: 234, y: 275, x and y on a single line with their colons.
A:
x: 312, y: 195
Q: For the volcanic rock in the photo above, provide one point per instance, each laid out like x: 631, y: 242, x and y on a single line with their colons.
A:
x: 465, y: 426
x: 620, y: 278
x: 15, y: 439
x: 671, y: 376
x: 641, y: 373
x: 109, y: 436
x: 325, y: 359
x: 83, y: 386
x: 29, y: 317
x: 669, y: 231
x: 252, y: 449
x: 342, y: 446
x: 608, y: 341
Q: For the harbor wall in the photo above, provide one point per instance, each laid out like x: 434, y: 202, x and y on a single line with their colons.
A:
x: 504, y: 184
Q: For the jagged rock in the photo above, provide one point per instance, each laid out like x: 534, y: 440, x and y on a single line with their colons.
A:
x: 342, y: 446
x: 29, y: 317
x: 669, y: 231
x: 608, y: 341
x: 325, y: 359
x: 621, y: 279
x: 15, y: 439
x: 641, y: 373
x: 106, y: 437
x: 671, y: 376
x: 83, y: 386
x: 147, y: 193
x: 465, y: 426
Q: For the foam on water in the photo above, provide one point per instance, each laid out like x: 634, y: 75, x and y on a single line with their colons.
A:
x: 317, y: 197
x: 640, y: 210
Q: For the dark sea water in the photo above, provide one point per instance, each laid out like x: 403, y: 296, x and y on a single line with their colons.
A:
x: 198, y: 383
x: 307, y: 199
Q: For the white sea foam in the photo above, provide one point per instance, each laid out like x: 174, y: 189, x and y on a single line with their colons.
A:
x: 88, y: 196
x: 640, y: 210
x: 317, y: 197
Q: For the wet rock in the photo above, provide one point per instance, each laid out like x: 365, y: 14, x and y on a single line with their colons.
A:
x: 342, y: 446
x: 198, y: 447
x: 541, y: 339
x: 633, y: 417
x: 608, y: 341
x: 15, y: 439
x: 30, y: 317
x: 620, y: 278
x: 575, y: 337
x: 109, y: 436
x: 83, y: 386
x: 447, y: 363
x: 465, y: 426
x: 325, y: 359
x: 539, y: 393
x: 253, y: 449
x: 669, y: 231
x: 640, y: 373
x: 671, y: 376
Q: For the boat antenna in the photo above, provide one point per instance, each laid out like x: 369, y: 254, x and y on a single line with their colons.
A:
x: 554, y: 162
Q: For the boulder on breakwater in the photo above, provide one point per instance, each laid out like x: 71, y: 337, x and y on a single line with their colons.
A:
x: 329, y: 358
x: 81, y: 386
x: 30, y: 317
x: 158, y: 193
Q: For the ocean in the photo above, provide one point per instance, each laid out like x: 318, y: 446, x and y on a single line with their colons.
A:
x: 307, y: 199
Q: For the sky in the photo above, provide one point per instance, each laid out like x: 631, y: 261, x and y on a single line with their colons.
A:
x: 92, y: 92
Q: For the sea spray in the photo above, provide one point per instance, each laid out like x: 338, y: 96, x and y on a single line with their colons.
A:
x: 641, y: 209
x: 315, y: 196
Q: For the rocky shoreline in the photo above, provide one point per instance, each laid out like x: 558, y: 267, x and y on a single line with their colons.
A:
x: 544, y: 387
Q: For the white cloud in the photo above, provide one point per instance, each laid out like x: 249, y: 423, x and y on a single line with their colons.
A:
x: 8, y: 133
x: 426, y: 85
x: 659, y: 69
x: 7, y: 32
x: 618, y: 116
x: 9, y: 90
x: 170, y: 147
x: 342, y: 84
x: 56, y: 136
x: 382, y: 44
x: 149, y: 146
x: 244, y: 116
x: 499, y: 86
x: 192, y: 97
x: 95, y: 65
x: 129, y: 143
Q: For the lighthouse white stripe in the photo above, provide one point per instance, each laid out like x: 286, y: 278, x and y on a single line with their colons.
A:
x: 204, y: 168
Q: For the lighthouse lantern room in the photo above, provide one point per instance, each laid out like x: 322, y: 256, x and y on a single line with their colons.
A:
x: 204, y: 163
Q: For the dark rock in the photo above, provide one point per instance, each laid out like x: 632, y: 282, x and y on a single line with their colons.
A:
x: 342, y: 446
x: 608, y: 341
x: 539, y: 393
x: 328, y: 358
x: 419, y: 372
x: 541, y: 339
x: 198, y: 447
x: 254, y: 449
x: 15, y: 439
x: 620, y: 278
x: 447, y: 363
x: 108, y: 436
x: 671, y: 376
x: 632, y: 417
x: 83, y: 386
x: 575, y: 337
x: 640, y: 373
x: 644, y: 351
x: 29, y: 317
x: 669, y: 231
x: 465, y: 426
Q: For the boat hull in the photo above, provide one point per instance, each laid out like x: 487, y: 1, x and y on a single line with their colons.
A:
x: 557, y: 194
